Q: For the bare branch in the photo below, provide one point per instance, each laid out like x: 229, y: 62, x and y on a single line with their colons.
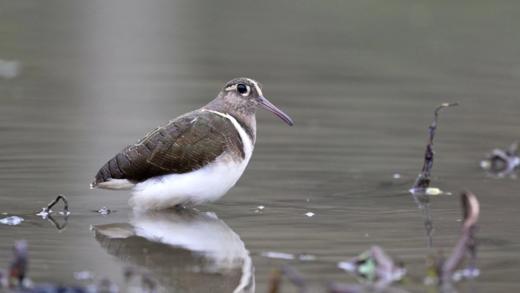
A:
x: 46, y: 212
x: 466, y: 244
x: 423, y: 180
x: 55, y: 201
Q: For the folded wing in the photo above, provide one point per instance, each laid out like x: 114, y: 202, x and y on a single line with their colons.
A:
x: 183, y: 145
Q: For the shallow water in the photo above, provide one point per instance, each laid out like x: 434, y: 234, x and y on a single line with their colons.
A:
x: 360, y: 79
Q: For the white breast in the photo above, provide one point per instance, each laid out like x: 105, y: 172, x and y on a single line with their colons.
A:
x: 206, y: 184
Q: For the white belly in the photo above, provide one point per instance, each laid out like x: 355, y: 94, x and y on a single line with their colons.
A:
x: 203, y: 185
x: 206, y: 184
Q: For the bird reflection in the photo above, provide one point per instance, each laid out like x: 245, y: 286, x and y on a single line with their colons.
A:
x: 184, y: 250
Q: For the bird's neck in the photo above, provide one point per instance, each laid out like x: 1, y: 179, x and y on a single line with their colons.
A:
x: 244, y: 115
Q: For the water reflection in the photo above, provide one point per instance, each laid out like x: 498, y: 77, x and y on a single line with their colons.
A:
x: 184, y: 250
x: 423, y: 203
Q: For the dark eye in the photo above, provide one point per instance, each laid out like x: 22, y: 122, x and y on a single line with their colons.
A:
x: 242, y: 89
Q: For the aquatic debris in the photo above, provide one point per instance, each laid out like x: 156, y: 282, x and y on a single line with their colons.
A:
x: 467, y: 245
x: 444, y: 272
x: 291, y: 274
x: 9, y: 68
x: 12, y: 220
x: 18, y: 266
x: 379, y: 271
x: 374, y: 266
x: 502, y: 163
x: 309, y: 214
x: 288, y: 256
x: 278, y: 255
x: 16, y: 278
x: 467, y: 273
x: 259, y: 209
x: 46, y: 212
x: 421, y: 189
x: 104, y: 211
x: 422, y: 183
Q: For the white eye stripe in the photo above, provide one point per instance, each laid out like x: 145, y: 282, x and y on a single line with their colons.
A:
x: 231, y: 88
x: 257, y: 87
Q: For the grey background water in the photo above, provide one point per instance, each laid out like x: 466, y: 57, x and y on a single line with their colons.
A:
x: 360, y: 79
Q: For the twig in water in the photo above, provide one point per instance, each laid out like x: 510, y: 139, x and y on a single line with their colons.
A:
x: 443, y: 272
x: 57, y: 224
x: 424, y: 179
x: 55, y: 201
x: 467, y: 244
x: 423, y: 202
x: 421, y: 189
x: 46, y: 212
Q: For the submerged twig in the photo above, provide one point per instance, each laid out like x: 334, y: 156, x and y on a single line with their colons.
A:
x: 424, y: 179
x: 423, y: 202
x: 467, y: 244
x: 57, y: 224
x: 445, y: 272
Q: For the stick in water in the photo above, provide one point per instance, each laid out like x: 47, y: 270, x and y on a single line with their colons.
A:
x: 423, y: 180
x: 467, y: 243
x: 46, y: 212
x: 55, y: 201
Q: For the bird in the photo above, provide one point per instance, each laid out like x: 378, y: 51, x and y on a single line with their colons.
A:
x: 195, y: 158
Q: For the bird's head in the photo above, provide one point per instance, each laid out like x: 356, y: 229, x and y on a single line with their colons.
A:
x: 246, y: 94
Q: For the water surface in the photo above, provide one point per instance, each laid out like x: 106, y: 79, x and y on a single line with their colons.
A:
x: 360, y: 79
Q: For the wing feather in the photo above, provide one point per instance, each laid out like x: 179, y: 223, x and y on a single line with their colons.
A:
x: 182, y: 145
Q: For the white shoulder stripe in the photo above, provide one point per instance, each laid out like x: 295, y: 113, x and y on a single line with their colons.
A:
x: 248, y: 144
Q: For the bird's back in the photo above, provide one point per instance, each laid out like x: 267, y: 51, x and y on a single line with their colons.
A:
x: 183, y: 145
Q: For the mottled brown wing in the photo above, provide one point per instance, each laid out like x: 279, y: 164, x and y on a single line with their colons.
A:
x: 183, y: 145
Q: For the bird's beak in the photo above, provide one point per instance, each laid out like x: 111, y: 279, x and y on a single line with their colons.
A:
x: 264, y: 102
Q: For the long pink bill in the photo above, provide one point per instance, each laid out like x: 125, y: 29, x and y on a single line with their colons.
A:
x: 264, y: 102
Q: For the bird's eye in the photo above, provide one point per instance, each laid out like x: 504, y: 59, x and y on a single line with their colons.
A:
x: 243, y: 89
